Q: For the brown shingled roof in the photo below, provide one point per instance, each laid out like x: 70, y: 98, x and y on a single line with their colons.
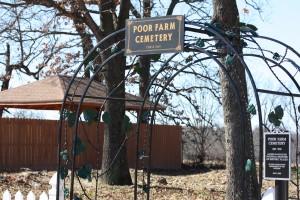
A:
x: 48, y: 93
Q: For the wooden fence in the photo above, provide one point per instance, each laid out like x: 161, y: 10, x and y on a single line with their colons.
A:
x: 31, y: 143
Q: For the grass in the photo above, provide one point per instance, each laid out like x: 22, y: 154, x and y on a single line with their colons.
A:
x: 207, y: 182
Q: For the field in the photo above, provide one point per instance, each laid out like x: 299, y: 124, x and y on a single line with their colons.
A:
x: 191, y: 184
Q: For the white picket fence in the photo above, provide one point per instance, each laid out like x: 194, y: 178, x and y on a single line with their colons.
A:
x: 43, y: 196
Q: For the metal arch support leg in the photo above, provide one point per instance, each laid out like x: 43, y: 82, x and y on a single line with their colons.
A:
x: 281, y: 190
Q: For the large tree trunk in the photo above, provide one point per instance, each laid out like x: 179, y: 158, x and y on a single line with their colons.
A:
x: 118, y: 172
x: 240, y: 184
x: 114, y: 161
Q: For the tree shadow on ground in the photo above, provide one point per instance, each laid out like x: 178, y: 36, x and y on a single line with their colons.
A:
x: 188, y: 169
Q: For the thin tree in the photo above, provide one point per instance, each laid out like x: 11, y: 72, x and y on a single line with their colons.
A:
x: 8, y: 72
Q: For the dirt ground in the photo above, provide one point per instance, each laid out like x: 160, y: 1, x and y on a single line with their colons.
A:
x: 191, y: 184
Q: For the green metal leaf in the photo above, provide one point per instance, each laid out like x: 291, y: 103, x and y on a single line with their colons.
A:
x: 246, y: 29
x: 141, y: 154
x: 126, y: 124
x: 279, y: 112
x: 219, y: 45
x: 145, y: 116
x: 63, y: 172
x: 273, y: 118
x: 166, y: 77
x: 215, y: 26
x: 200, y: 43
x: 218, y: 25
x: 189, y: 59
x: 276, y: 56
x: 254, y: 28
x: 106, y: 118
x: 248, y: 165
x: 243, y: 44
x: 251, y: 109
x: 155, y: 57
x: 85, y: 172
x: 228, y: 60
x: 66, y: 192
x: 276, y: 116
x: 80, y: 146
x: 91, y: 57
x: 64, y: 154
x: 90, y: 115
x: 114, y: 48
x: 76, y: 197
x: 145, y: 188
x: 241, y: 24
x: 139, y: 69
x: 90, y: 66
x: 230, y: 33
x: 71, y: 119
x: 65, y: 113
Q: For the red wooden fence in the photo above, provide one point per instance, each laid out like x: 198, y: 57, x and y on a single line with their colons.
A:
x: 31, y: 143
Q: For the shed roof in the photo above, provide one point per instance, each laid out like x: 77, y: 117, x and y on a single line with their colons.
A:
x: 48, y: 94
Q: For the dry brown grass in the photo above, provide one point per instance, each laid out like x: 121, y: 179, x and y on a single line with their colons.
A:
x: 190, y: 184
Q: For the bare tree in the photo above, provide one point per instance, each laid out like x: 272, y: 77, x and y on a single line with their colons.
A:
x: 203, y: 136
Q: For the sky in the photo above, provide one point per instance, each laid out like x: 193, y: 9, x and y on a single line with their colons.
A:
x: 277, y: 20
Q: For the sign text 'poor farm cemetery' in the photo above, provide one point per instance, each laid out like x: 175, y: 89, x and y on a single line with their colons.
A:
x: 154, y: 35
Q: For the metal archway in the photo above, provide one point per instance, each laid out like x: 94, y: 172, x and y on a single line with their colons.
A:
x: 199, y: 30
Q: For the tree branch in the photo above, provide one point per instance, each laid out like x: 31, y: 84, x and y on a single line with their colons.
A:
x: 13, y: 5
x: 123, y: 13
x: 134, y: 11
x: 172, y: 6
x: 88, y: 19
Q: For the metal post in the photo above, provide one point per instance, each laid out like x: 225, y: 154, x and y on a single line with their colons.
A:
x: 281, y: 190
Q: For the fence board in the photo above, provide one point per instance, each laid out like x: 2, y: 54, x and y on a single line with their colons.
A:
x: 31, y: 143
